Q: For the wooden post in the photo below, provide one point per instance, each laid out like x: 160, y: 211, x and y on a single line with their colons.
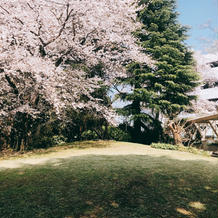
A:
x: 199, y: 130
x: 211, y: 125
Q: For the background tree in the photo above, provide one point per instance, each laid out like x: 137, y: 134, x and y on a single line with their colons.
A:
x: 161, y: 91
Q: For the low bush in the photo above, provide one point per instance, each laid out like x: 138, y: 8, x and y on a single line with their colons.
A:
x: 179, y: 148
x: 193, y: 150
x: 41, y: 142
x: 164, y: 146
x: 58, y: 140
x: 118, y: 134
x: 89, y: 135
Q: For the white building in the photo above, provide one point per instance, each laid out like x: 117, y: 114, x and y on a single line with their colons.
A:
x: 209, y: 88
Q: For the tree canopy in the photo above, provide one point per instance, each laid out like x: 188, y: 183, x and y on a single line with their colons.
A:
x: 59, y: 59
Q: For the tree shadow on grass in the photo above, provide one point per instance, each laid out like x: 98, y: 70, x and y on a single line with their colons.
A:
x: 111, y: 186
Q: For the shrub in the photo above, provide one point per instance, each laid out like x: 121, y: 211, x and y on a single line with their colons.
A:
x: 89, y: 135
x: 42, y: 142
x: 164, y: 146
x: 179, y: 148
x: 118, y: 134
x: 193, y: 150
x: 58, y: 139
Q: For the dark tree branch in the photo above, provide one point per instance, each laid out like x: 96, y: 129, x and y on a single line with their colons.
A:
x: 19, y: 20
x: 30, y: 6
x: 12, y: 85
x: 4, y: 10
x: 68, y: 15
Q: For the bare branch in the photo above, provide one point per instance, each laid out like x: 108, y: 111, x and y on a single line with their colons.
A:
x: 11, y: 84
x: 19, y: 20
x: 4, y: 9
x: 32, y: 8
x: 68, y: 14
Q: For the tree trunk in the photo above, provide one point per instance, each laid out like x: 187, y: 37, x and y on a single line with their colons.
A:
x: 106, y: 131
x: 137, y: 121
x: 176, y: 131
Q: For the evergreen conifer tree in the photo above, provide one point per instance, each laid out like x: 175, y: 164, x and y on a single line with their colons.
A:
x: 164, y: 88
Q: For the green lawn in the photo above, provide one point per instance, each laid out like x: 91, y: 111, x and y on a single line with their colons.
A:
x: 121, y: 186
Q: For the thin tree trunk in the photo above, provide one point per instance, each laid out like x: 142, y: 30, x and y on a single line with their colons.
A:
x: 137, y: 121
x: 176, y: 130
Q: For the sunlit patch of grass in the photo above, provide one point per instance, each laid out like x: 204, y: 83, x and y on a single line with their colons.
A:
x: 11, y: 154
x: 207, y: 188
x: 197, y: 205
x: 183, y: 211
x: 91, y: 144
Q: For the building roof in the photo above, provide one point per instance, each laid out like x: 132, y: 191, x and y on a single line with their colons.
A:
x: 208, y: 94
x: 213, y: 64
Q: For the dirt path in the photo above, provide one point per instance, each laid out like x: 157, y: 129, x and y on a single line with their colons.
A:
x: 117, y: 148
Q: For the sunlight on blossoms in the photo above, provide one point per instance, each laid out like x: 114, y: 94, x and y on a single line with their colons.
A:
x: 41, y: 40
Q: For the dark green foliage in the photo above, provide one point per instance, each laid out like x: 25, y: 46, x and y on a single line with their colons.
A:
x: 24, y: 130
x: 17, y: 130
x: 161, y: 89
x: 58, y: 140
x: 46, y: 134
x: 84, y: 125
x: 42, y: 142
x: 89, y: 135
x: 163, y: 38
x: 116, y: 133
x: 113, y: 133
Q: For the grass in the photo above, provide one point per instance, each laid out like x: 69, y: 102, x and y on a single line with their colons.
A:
x: 122, y: 186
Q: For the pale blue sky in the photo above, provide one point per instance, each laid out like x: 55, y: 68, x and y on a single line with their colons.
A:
x: 195, y: 13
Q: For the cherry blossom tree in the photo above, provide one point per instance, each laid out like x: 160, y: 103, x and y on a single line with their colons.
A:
x: 47, y: 48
